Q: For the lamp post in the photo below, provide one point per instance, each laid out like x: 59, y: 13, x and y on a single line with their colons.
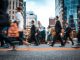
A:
x: 24, y: 3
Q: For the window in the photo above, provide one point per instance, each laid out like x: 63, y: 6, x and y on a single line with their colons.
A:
x: 12, y: 17
x: 13, y: 12
x: 9, y: 12
x: 13, y: 4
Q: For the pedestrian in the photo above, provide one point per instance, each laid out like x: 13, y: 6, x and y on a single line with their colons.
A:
x: 37, y: 36
x: 14, y: 35
x: 1, y: 40
x: 20, y: 22
x: 43, y: 35
x: 53, y: 34
x: 78, y: 37
x: 58, y: 31
x: 33, y: 32
x: 67, y: 33
x: 49, y: 35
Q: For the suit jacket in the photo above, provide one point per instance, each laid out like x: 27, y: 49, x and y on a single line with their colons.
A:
x: 68, y: 30
x: 33, y: 30
x: 58, y: 27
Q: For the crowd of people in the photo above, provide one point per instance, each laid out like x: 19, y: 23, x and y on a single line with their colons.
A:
x: 59, y: 33
x: 37, y: 34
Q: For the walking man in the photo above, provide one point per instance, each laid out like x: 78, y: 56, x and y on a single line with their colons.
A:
x: 58, y: 31
x: 68, y: 30
x: 33, y: 32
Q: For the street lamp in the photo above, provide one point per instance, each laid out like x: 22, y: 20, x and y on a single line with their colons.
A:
x: 24, y: 3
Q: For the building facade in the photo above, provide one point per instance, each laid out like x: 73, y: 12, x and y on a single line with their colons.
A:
x: 13, y: 4
x: 29, y: 17
x: 59, y: 9
x: 69, y: 12
x: 51, y: 22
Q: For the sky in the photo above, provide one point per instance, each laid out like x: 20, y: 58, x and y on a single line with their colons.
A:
x: 43, y: 9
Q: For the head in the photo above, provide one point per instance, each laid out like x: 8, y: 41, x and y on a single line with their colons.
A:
x: 49, y: 27
x: 15, y: 23
x: 18, y: 9
x: 44, y: 28
x: 32, y: 22
x: 57, y: 17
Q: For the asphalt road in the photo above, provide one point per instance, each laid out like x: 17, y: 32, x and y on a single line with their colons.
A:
x: 41, y: 52
x: 40, y: 55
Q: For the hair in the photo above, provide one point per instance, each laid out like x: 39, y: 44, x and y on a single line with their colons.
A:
x: 57, y: 17
x: 32, y: 21
x: 43, y: 27
x: 49, y: 26
x: 16, y: 22
x: 18, y: 8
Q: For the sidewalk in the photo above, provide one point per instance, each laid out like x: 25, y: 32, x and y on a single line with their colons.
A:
x: 41, y: 52
x: 40, y: 55
x: 45, y: 47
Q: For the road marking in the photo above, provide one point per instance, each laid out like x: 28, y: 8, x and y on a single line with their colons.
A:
x: 40, y: 49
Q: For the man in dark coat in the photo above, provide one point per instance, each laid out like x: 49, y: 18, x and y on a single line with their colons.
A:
x: 33, y: 32
x: 58, y: 31
x: 68, y: 30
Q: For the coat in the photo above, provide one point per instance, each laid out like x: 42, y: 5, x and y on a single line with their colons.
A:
x: 58, y: 27
x: 13, y: 30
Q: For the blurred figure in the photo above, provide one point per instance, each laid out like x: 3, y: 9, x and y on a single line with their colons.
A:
x: 49, y: 35
x: 58, y: 31
x: 20, y: 21
x: 1, y: 40
x: 78, y: 37
x: 4, y: 17
x: 43, y: 35
x: 53, y: 34
x: 33, y: 32
x: 37, y: 36
x: 68, y: 30
x: 14, y: 35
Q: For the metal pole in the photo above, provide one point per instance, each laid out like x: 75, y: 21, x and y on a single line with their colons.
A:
x: 25, y: 15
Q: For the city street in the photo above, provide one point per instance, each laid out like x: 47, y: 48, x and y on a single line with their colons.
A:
x: 41, y: 52
x: 30, y: 28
